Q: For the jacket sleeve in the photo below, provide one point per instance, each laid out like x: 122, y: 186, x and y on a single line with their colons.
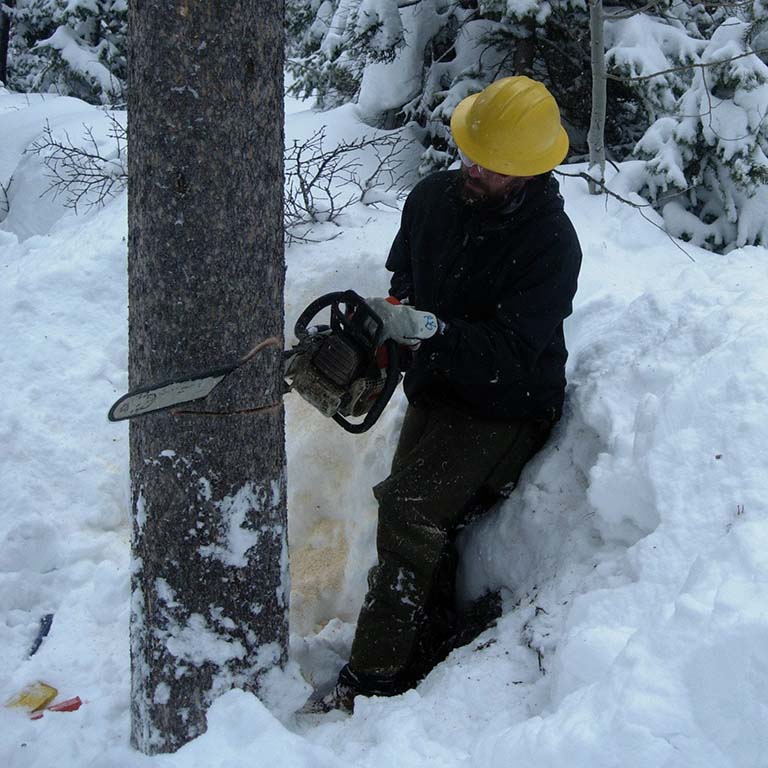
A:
x: 478, y: 357
x: 399, y: 259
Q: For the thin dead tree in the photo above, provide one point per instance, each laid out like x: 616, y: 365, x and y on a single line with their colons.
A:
x: 596, y: 135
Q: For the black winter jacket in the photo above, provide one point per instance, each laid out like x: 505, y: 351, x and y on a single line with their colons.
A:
x: 504, y: 281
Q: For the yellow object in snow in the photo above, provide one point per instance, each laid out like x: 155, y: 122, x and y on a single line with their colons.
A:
x: 33, y: 697
x: 512, y: 127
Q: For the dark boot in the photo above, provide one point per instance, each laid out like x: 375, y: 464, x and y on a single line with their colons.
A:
x: 438, y: 642
x: 349, y: 685
x: 341, y: 698
x: 480, y: 615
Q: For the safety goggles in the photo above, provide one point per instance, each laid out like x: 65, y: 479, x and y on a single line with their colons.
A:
x: 472, y: 164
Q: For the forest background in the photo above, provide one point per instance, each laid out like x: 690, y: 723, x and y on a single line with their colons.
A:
x: 687, y: 81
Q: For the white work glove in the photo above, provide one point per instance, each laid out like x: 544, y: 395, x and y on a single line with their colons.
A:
x: 404, y: 324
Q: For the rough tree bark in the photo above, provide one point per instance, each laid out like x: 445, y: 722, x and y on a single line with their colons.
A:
x: 596, y: 135
x: 206, y: 272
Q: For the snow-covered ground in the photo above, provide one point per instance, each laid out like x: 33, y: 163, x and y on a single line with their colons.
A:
x: 633, y: 558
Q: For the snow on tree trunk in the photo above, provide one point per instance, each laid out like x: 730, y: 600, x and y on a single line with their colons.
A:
x: 206, y: 272
x: 596, y: 136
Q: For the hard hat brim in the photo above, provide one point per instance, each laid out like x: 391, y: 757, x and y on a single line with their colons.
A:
x: 523, y: 166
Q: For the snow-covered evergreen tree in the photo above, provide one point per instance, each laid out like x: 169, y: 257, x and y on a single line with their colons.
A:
x: 706, y: 159
x: 71, y: 47
x: 331, y: 42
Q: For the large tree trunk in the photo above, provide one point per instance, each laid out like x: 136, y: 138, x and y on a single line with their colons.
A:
x: 596, y: 135
x: 206, y: 270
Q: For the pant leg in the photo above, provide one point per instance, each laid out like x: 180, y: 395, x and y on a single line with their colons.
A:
x: 416, y: 424
x: 442, y: 461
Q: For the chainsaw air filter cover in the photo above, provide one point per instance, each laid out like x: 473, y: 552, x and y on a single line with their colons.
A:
x: 340, y: 359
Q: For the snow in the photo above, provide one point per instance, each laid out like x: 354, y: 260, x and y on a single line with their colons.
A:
x: 707, y: 150
x: 235, y: 510
x: 643, y: 45
x: 197, y: 642
x: 633, y: 558
x: 388, y: 84
x: 80, y: 59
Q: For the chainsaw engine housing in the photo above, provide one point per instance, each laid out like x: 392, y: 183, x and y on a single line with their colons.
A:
x: 335, y: 375
x: 335, y: 368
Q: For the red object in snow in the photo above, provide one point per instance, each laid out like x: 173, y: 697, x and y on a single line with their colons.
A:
x: 68, y: 705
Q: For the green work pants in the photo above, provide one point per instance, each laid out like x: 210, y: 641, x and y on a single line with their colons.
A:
x: 447, y: 467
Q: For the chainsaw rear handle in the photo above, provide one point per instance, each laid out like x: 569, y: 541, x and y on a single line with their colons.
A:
x: 365, y: 326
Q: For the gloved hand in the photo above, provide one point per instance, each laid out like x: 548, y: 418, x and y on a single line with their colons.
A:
x: 404, y: 324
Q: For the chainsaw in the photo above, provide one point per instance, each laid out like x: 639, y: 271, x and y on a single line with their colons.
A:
x: 340, y: 368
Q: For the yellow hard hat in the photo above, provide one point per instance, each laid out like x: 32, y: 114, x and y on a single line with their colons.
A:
x: 512, y: 127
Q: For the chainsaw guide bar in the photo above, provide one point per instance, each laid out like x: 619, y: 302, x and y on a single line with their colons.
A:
x: 333, y: 367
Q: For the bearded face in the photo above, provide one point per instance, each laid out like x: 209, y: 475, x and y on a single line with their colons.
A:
x: 480, y: 186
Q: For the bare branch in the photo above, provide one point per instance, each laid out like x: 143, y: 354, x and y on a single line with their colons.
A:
x: 637, y: 206
x: 316, y: 179
x: 683, y: 67
x: 80, y: 172
x: 5, y: 200
x: 630, y: 14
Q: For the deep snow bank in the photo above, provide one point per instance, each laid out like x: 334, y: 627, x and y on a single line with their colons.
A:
x: 654, y: 639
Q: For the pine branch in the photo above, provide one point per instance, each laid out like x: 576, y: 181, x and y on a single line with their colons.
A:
x: 632, y: 13
x: 712, y: 107
x: 637, y: 11
x: 637, y: 206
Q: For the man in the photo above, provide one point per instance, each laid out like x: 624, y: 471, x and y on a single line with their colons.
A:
x: 485, y: 266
